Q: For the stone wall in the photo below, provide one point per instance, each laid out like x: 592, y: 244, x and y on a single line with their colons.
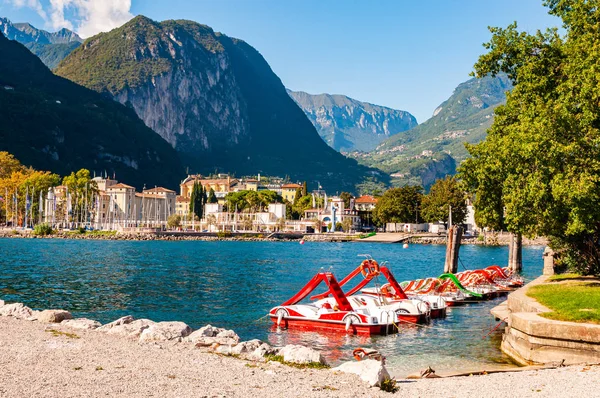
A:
x: 530, y: 339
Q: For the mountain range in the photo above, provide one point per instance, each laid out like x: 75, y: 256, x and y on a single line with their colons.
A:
x: 346, y: 124
x: 214, y: 98
x: 51, y: 123
x: 434, y: 148
x: 217, y: 102
x: 51, y: 48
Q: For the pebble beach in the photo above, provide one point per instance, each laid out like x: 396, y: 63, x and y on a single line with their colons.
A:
x: 52, y: 360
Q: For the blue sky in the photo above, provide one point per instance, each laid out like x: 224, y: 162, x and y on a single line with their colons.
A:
x: 401, y: 54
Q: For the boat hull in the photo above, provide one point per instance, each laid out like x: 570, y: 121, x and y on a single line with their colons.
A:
x: 331, y: 326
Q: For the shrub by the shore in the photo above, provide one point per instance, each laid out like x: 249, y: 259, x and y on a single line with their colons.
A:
x: 43, y: 229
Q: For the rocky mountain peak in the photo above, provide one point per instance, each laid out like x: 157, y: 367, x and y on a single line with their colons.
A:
x: 347, y: 124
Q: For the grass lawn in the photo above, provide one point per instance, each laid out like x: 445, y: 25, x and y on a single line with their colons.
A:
x: 571, y: 301
x: 563, y: 277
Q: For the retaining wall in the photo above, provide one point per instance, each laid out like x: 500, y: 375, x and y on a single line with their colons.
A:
x: 530, y: 339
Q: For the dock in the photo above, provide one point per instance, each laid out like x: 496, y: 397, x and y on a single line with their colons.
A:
x: 395, y: 237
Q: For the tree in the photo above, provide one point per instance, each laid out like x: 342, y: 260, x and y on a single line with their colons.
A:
x: 40, y: 181
x: 346, y: 197
x: 537, y: 172
x: 174, y: 221
x: 267, y: 197
x: 16, y: 181
x: 298, y: 195
x: 304, y: 203
x: 9, y: 165
x: 304, y: 189
x: 212, y: 198
x: 280, y: 224
x: 81, y: 190
x: 347, y: 224
x: 398, y: 205
x: 211, y: 220
x: 444, y: 193
x: 197, y: 200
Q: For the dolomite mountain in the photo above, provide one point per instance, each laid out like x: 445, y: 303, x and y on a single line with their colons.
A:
x: 346, y: 124
x: 51, y: 123
x: 213, y: 98
x: 50, y: 47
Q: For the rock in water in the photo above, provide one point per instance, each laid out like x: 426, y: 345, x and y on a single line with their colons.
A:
x: 53, y: 316
x: 166, y: 331
x: 16, y: 310
x: 301, y: 354
x: 81, y: 323
x: 369, y: 370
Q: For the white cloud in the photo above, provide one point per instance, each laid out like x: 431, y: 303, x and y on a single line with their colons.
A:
x: 86, y: 17
x: 33, y: 4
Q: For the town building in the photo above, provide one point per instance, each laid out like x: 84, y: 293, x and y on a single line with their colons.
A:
x: 365, y: 203
x: 288, y: 191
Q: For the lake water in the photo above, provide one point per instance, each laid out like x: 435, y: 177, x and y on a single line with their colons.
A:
x: 234, y: 284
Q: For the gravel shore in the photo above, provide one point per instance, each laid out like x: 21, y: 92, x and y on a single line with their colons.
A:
x: 36, y: 362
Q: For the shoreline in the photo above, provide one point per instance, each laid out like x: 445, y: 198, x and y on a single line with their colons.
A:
x: 245, y: 237
x: 53, y: 360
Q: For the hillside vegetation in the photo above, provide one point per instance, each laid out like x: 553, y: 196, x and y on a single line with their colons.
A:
x: 53, y: 124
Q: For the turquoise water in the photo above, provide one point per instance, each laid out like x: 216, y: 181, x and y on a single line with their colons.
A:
x: 234, y: 284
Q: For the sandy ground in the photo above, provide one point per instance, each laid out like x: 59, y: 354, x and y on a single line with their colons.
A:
x: 35, y: 362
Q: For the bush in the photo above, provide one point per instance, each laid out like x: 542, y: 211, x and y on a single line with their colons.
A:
x: 174, y: 221
x: 43, y: 229
x: 389, y: 385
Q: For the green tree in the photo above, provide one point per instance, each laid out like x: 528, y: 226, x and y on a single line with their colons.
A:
x: 197, y: 200
x: 267, y: 197
x: 174, y: 221
x: 398, y: 205
x: 444, y: 193
x: 298, y: 195
x: 304, y: 189
x: 304, y: 203
x: 40, y: 181
x: 346, y: 197
x: 212, y: 198
x: 537, y: 172
x: 347, y: 224
x: 81, y: 191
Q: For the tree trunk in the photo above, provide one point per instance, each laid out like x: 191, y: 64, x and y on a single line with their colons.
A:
x: 452, y: 249
x: 515, y: 253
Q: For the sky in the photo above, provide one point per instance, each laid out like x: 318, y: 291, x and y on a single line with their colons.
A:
x: 407, y: 55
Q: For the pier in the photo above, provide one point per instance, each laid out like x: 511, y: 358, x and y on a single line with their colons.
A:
x: 396, y: 237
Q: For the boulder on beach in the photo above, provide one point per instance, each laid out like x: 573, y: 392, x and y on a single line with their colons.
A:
x: 246, y: 347
x: 1, y: 303
x: 132, y: 330
x: 369, y: 370
x: 208, y: 335
x: 166, y: 331
x: 16, y: 310
x: 53, y: 316
x: 121, y: 321
x: 81, y: 323
x: 263, y: 350
x: 301, y: 354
